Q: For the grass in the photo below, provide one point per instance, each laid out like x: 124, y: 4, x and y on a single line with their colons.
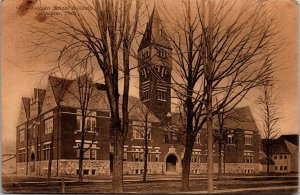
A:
x: 19, y: 185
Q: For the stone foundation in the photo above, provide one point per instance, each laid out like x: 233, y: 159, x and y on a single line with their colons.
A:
x: 21, y: 168
x: 234, y: 168
x: 90, y: 167
x: 65, y: 167
x: 242, y: 168
x: 102, y: 167
x: 155, y: 168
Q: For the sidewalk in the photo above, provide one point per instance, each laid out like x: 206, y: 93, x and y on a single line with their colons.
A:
x: 243, y: 190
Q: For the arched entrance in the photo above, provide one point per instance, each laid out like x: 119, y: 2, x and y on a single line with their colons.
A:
x: 32, y: 162
x: 171, y: 163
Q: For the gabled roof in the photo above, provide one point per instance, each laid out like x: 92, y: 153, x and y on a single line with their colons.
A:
x: 98, y: 100
x: 277, y: 146
x: 138, y: 111
x: 59, y: 87
x: 240, y: 118
x: 26, y: 104
x: 292, y: 138
x: 40, y: 94
x: 152, y: 34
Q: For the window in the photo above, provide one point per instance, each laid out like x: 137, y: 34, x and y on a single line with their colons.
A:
x: 156, y: 157
x: 280, y: 168
x: 162, y: 71
x: 196, y: 157
x: 166, y: 137
x: 49, y: 125
x: 138, y: 130
x: 275, y: 157
x: 93, y: 154
x: 34, y: 131
x: 47, y: 148
x: 90, y: 121
x: 145, y: 53
x: 248, y: 140
x: 93, y: 172
x: 161, y: 91
x: 146, y: 90
x: 125, y: 154
x: 285, y: 156
x: 136, y: 154
x: 276, y: 168
x: 285, y: 168
x: 22, y: 135
x: 162, y: 53
x: 280, y: 156
x: 161, y: 95
x: 174, y: 136
x: 248, y: 156
x: 160, y: 29
x: 21, y: 154
x: 197, y: 140
x: 86, y: 172
x: 149, y: 156
x: 141, y: 156
x: 90, y: 154
x: 230, y: 139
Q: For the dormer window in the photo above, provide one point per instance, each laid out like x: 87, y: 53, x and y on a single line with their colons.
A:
x: 160, y: 29
x: 162, y: 53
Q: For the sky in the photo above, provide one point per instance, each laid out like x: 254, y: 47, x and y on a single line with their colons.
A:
x: 19, y: 78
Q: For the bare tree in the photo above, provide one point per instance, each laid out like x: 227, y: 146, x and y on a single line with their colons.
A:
x: 222, y: 49
x: 269, y: 113
x: 49, y: 171
x: 104, y: 32
x: 220, y: 136
x: 144, y: 129
x: 223, y: 123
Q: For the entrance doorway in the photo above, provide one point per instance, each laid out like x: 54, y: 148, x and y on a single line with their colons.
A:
x: 171, y: 162
x: 32, y: 162
x: 111, y: 161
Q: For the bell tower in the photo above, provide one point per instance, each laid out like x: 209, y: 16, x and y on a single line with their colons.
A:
x: 155, y: 66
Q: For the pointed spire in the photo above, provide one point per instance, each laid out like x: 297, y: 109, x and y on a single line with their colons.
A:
x: 154, y: 33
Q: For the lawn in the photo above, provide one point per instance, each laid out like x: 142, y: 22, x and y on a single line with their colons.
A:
x: 21, y: 185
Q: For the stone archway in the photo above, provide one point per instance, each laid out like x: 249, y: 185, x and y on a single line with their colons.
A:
x: 32, y: 162
x: 172, y: 164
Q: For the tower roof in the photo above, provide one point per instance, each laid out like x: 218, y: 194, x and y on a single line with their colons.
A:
x: 155, y: 32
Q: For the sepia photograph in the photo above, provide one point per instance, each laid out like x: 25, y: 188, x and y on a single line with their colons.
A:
x: 149, y: 96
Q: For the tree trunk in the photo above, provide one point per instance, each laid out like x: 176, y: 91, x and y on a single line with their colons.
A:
x: 145, y: 164
x: 145, y: 151
x: 220, y: 159
x: 80, y: 164
x: 224, y: 171
x: 268, y: 156
x: 118, y: 164
x: 186, y: 163
x: 50, y: 160
x: 27, y: 140
x: 81, y: 147
x: 209, y: 82
x: 209, y: 139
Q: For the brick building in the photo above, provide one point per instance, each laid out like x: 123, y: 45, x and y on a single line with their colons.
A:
x: 54, y: 111
x: 284, y: 153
